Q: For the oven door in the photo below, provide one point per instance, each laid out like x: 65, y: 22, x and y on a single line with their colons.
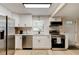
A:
x: 55, y: 44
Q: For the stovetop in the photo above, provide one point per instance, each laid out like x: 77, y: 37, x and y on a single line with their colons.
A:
x: 62, y: 36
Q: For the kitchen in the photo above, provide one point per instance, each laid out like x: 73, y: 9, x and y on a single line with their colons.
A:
x: 52, y: 28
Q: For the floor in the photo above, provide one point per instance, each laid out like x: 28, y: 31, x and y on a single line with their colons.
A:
x: 46, y: 52
x: 9, y: 52
x: 70, y: 51
x: 40, y: 52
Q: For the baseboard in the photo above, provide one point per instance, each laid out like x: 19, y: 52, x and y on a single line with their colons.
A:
x: 8, y: 49
x: 18, y: 49
x: 2, y: 49
x: 41, y: 48
x: 27, y: 48
x: 59, y: 49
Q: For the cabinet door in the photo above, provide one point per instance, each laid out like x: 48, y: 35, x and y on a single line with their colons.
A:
x: 26, y: 20
x: 41, y: 42
x: 35, y: 42
x: 18, y: 42
x: 17, y: 22
x: 45, y: 42
x: 29, y: 21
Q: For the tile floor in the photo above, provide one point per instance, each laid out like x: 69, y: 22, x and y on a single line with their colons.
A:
x: 40, y: 52
x: 70, y: 51
x: 46, y: 52
x: 9, y: 52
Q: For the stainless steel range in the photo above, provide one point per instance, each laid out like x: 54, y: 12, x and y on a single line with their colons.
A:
x: 57, y: 40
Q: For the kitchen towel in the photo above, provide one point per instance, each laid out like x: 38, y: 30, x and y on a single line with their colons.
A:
x: 58, y: 40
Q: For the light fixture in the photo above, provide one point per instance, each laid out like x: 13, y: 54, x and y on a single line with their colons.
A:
x: 36, y: 5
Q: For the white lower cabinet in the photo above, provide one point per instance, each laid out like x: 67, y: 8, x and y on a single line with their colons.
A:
x: 18, y: 41
x: 41, y: 42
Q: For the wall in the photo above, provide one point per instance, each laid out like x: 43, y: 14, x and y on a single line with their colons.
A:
x: 5, y: 12
x: 77, y: 41
x: 46, y: 24
x: 70, y: 11
x: 70, y: 29
x: 45, y: 41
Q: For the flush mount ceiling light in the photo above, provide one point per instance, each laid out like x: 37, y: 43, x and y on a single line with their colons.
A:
x: 36, y: 5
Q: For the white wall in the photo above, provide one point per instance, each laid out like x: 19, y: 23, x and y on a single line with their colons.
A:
x: 5, y: 12
x: 45, y: 40
x: 70, y: 29
x: 77, y: 35
x: 46, y: 24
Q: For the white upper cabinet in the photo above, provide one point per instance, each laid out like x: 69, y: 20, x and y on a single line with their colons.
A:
x: 16, y: 18
x: 25, y: 21
x: 16, y: 22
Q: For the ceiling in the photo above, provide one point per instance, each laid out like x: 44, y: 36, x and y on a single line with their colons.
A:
x: 70, y: 10
x: 20, y: 9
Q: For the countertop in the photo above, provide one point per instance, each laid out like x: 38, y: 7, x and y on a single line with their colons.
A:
x: 34, y: 34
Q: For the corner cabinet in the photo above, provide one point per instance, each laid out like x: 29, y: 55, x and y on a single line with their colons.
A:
x: 41, y: 42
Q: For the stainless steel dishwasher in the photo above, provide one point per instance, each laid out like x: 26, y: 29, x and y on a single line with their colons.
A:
x: 27, y: 42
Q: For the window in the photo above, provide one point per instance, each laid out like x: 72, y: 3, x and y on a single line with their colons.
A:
x: 38, y: 25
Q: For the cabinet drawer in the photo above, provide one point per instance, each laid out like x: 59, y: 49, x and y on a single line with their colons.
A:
x: 44, y: 39
x: 45, y: 45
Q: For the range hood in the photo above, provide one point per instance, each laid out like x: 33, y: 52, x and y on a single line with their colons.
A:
x: 56, y: 23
